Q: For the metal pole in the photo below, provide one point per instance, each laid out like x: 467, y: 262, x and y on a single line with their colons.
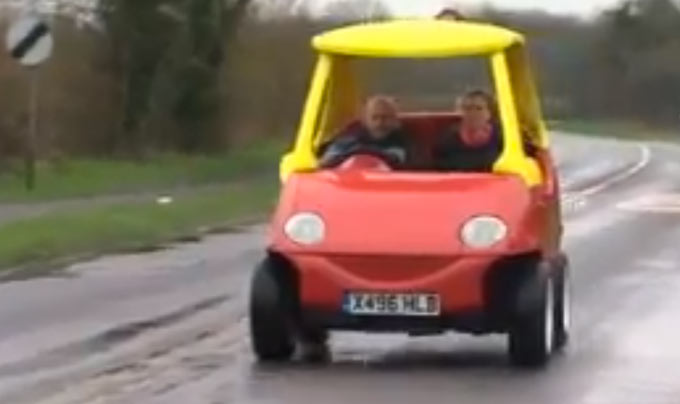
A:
x: 33, y: 114
x: 30, y: 155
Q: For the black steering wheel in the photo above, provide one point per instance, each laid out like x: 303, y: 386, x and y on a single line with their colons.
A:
x: 392, y: 159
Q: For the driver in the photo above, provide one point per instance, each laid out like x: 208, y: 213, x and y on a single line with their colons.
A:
x: 379, y: 130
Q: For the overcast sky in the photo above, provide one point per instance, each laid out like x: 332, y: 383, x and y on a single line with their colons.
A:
x: 428, y: 7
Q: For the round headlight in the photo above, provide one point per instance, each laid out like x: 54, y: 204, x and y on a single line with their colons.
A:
x: 306, y: 228
x: 483, y: 232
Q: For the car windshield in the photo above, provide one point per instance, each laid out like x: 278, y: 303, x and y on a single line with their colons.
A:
x: 427, y: 114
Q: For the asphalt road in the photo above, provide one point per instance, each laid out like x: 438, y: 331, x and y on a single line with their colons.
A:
x: 169, y: 327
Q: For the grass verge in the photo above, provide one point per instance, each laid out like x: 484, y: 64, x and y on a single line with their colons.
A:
x: 73, y: 178
x: 33, y: 245
x: 618, y: 129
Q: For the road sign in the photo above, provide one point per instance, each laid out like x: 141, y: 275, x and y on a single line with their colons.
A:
x: 29, y: 40
x: 30, y: 43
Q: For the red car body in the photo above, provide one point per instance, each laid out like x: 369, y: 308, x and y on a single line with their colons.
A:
x: 399, y: 232
x: 364, y: 247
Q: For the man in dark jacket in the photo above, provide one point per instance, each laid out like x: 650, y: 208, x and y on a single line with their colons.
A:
x: 379, y: 130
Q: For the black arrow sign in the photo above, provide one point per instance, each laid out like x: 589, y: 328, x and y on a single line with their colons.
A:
x: 25, y: 45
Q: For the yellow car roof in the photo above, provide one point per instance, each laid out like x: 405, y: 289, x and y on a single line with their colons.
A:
x: 417, y: 38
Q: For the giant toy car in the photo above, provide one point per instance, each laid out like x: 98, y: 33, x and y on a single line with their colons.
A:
x: 362, y: 247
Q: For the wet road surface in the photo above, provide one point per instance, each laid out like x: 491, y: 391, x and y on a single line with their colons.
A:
x: 98, y: 335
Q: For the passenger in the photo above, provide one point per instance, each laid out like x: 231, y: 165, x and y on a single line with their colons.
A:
x: 380, y: 129
x: 474, y: 144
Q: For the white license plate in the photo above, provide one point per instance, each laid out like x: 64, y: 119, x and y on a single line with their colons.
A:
x: 392, y: 304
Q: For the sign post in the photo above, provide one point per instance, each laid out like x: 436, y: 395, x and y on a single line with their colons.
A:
x: 30, y: 43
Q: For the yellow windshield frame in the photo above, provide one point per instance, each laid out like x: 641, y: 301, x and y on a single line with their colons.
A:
x: 513, y: 159
x: 303, y: 158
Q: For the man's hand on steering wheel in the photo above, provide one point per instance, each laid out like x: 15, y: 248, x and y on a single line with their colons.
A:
x: 394, y: 157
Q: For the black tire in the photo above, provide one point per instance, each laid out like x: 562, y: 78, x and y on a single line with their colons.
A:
x: 270, y: 315
x: 531, y: 334
x: 562, y: 309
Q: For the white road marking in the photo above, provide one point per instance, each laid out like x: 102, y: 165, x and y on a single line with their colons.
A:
x: 659, y: 264
x: 582, y: 226
x: 645, y: 159
x: 607, y: 216
x: 655, y: 203
x: 574, y: 201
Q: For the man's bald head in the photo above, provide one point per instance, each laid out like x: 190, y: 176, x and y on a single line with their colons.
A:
x: 381, y: 116
x: 450, y: 14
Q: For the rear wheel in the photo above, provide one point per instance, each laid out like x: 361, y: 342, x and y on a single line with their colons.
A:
x: 532, y: 332
x: 270, y: 314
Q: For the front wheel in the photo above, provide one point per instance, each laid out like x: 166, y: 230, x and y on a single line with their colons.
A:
x: 532, y: 334
x: 562, y: 309
x: 270, y: 316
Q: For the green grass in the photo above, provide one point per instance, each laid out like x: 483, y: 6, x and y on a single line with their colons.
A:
x: 34, y: 242
x: 90, y: 177
x: 620, y: 129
